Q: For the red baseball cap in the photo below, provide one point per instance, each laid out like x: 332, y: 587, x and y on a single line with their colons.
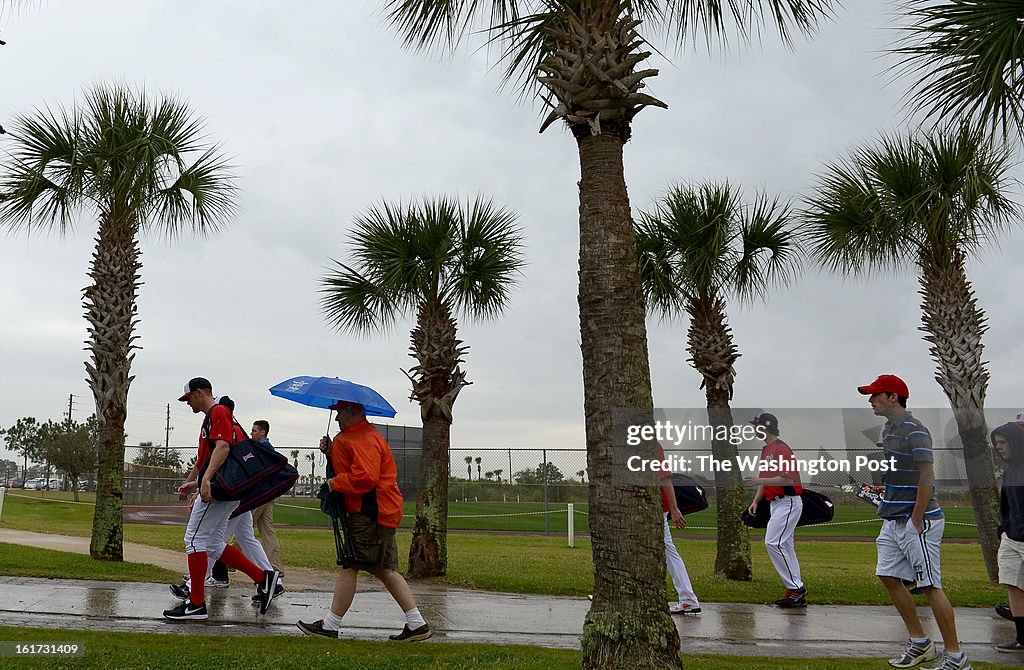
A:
x: 886, y: 384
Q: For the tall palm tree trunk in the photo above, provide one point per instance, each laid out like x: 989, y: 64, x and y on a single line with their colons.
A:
x: 713, y: 354
x: 436, y: 382
x: 110, y: 310
x: 954, y: 325
x: 628, y: 625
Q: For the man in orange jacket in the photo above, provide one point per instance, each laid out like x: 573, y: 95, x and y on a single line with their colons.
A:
x: 367, y: 478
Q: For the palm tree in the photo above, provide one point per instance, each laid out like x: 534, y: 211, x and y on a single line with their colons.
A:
x: 581, y: 57
x: 295, y: 464
x: 435, y: 259
x: 311, y: 457
x: 497, y: 474
x: 700, y: 245
x: 142, y: 165
x: 469, y: 468
x: 928, y: 202
x: 582, y: 474
x: 965, y: 59
x: 477, y: 461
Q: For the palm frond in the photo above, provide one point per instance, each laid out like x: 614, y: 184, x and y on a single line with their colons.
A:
x: 490, y: 259
x: 659, y: 280
x: 42, y: 175
x: 431, y: 252
x: 716, y: 19
x: 966, y: 60
x: 701, y: 241
x: 427, y: 23
x: 203, y: 196
x: 770, y: 254
x: 352, y: 303
x: 946, y: 192
x: 136, y: 159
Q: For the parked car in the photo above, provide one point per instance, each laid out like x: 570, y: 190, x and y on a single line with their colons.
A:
x: 34, y: 484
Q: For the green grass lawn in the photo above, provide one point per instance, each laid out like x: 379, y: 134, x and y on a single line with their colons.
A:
x: 528, y: 517
x: 141, y: 651
x: 836, y: 573
x: 16, y: 560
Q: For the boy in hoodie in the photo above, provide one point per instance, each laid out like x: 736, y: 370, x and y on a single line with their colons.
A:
x: 1008, y: 441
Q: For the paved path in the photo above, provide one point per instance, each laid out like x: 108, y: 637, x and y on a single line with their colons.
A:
x: 461, y: 615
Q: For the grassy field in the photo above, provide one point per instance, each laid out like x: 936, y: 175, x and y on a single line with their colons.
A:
x: 836, y: 573
x: 19, y: 561
x: 141, y: 651
x: 529, y: 517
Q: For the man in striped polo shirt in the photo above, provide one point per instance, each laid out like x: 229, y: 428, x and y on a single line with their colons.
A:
x: 912, y: 525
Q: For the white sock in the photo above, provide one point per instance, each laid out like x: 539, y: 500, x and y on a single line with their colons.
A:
x: 919, y: 640
x: 332, y: 621
x: 414, y: 618
x: 957, y: 656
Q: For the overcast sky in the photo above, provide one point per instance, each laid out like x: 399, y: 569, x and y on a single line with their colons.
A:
x: 325, y: 113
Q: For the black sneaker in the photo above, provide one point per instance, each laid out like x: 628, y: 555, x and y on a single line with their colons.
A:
x: 1010, y: 647
x: 277, y: 591
x: 181, y: 591
x: 317, y: 628
x: 793, y: 598
x: 1004, y: 611
x: 421, y: 633
x: 186, y: 611
x: 267, y: 589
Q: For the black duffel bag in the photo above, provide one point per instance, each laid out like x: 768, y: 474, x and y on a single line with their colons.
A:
x: 269, y: 488
x: 818, y: 508
x: 249, y: 464
x: 689, y: 495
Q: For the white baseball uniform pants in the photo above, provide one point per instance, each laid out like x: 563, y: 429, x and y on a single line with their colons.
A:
x: 677, y: 569
x: 778, y: 539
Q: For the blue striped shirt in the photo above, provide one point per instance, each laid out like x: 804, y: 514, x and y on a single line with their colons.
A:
x: 908, y: 442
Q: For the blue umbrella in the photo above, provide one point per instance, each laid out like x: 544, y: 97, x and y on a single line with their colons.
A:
x: 323, y: 392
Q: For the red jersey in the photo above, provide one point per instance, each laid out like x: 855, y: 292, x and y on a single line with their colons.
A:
x: 662, y: 476
x: 779, y: 452
x: 219, y: 425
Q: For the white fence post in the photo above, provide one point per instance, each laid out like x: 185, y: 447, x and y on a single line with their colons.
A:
x: 572, y: 534
x: 2, y: 489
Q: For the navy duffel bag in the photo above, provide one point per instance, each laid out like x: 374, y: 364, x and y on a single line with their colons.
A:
x: 249, y: 465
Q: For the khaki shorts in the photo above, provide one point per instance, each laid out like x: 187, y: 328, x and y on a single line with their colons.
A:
x: 1011, y: 562
x: 374, y: 544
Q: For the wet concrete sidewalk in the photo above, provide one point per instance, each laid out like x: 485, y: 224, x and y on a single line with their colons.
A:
x: 459, y: 615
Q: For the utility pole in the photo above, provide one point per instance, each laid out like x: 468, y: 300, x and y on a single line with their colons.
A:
x: 167, y: 431
x: 71, y: 405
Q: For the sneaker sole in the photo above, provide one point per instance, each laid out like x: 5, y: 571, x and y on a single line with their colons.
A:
x: 312, y: 633
x: 416, y: 638
x: 917, y: 662
x: 188, y: 617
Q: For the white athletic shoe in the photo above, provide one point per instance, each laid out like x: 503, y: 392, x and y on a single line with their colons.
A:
x: 683, y: 608
x: 949, y: 663
x: 915, y: 654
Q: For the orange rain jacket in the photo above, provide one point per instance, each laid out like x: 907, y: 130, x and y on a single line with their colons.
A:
x: 366, y: 474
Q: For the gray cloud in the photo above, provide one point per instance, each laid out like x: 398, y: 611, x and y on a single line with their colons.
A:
x: 325, y: 114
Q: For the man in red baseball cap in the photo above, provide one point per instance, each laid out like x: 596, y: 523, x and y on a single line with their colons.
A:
x: 886, y: 384
x: 912, y: 526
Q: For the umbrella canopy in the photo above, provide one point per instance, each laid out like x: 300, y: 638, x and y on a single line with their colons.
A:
x: 323, y: 392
